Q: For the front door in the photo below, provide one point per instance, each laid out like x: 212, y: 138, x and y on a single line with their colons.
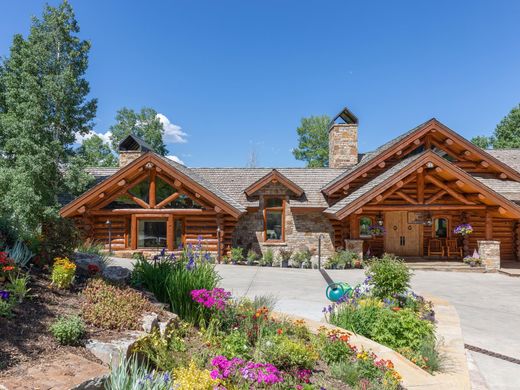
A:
x: 402, y: 238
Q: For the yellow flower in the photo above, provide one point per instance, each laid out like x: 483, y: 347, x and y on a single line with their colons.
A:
x: 193, y: 378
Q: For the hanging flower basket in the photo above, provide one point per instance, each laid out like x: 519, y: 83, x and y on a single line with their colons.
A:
x: 464, y: 229
x: 376, y: 230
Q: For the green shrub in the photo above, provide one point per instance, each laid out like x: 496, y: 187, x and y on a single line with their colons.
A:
x: 63, y: 272
x: 18, y: 287
x: 358, y: 318
x: 129, y: 374
x: 59, y: 238
x: 235, y: 344
x: 346, y: 372
x: 388, y: 275
x: 172, y: 280
x: 20, y: 253
x: 300, y: 257
x: 343, y: 258
x: 333, y: 351
x: 236, y: 255
x: 6, y: 308
x: 68, y: 330
x: 252, y: 256
x: 286, y: 353
x: 112, y: 307
x: 267, y: 258
x: 95, y: 248
x: 401, y: 329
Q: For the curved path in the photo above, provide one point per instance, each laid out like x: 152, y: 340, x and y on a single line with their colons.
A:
x: 488, y: 306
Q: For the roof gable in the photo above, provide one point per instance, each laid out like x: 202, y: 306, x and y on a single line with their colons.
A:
x: 274, y: 177
x: 429, y: 135
x: 468, y: 190
x: 135, y: 172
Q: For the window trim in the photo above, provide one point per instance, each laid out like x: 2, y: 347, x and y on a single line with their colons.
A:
x: 160, y: 218
x: 278, y: 208
x: 363, y: 236
x: 448, y: 224
x: 170, y: 230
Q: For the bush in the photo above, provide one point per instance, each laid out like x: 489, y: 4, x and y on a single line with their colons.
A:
x: 267, y: 258
x: 172, y: 279
x: 112, y: 307
x: 286, y: 353
x: 20, y: 253
x: 235, y: 344
x: 236, y: 255
x: 6, y: 307
x: 300, y: 257
x: 357, y: 318
x: 402, y: 329
x: 63, y: 272
x: 285, y: 254
x: 252, y: 256
x: 68, y: 330
x: 18, y: 287
x: 388, y: 275
x: 95, y: 248
x: 59, y: 239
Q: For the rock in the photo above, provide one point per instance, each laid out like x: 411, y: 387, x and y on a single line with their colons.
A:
x: 116, y: 274
x: 109, y: 352
x: 97, y: 383
x: 172, y: 321
x: 83, y: 260
x: 150, y: 322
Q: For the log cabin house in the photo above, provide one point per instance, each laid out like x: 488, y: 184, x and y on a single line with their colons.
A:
x: 418, y: 187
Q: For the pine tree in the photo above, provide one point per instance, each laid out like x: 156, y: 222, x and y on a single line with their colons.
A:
x: 313, y: 141
x: 44, y: 105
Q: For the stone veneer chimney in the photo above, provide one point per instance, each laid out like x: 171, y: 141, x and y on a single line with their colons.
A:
x: 131, y: 148
x: 343, y: 140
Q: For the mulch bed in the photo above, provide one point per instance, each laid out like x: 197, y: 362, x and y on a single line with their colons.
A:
x: 25, y: 338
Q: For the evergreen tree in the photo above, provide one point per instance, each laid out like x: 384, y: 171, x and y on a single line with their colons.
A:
x: 96, y: 153
x: 144, y: 124
x: 313, y: 141
x: 44, y: 105
x: 506, y: 134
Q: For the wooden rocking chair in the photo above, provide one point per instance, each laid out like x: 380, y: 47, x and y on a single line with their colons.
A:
x: 435, y: 248
x: 453, y: 248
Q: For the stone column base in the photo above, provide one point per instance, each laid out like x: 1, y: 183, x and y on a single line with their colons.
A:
x: 355, y: 246
x: 489, y: 252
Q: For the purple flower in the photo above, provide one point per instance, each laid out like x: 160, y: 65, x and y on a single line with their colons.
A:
x: 4, y: 295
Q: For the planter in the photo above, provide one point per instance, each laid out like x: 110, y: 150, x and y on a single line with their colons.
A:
x: 285, y: 263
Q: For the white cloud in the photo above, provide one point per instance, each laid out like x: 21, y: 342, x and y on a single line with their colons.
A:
x: 176, y: 159
x: 172, y: 133
x: 104, y: 136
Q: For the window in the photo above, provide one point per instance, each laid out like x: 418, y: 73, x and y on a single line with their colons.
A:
x: 151, y: 233
x: 178, y: 231
x: 440, y: 228
x: 364, y: 227
x: 274, y: 219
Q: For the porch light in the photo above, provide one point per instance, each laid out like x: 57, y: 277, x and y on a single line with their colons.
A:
x: 428, y: 221
x: 109, y: 225
x: 379, y: 219
x: 429, y: 164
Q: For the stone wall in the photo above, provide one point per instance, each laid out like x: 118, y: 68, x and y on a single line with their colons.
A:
x: 489, y: 252
x: 343, y: 145
x: 302, y: 229
x: 126, y: 157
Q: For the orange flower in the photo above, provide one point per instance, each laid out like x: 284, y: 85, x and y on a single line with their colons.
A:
x: 396, y: 308
x: 279, y: 331
x: 8, y: 268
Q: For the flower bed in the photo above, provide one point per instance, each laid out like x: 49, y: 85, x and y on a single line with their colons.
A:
x: 384, y: 309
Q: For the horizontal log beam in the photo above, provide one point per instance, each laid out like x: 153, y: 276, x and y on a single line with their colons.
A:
x: 169, y: 199
x: 407, y: 198
x: 420, y: 207
x: 153, y: 211
x: 450, y: 191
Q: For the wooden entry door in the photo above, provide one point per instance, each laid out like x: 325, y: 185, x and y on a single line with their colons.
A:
x: 402, y: 238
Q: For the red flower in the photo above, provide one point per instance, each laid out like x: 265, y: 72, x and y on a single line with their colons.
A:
x: 396, y: 308
x: 8, y: 268
x: 93, y: 269
x: 279, y: 331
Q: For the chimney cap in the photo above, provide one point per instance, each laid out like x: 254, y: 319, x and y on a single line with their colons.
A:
x: 133, y: 143
x: 344, y: 116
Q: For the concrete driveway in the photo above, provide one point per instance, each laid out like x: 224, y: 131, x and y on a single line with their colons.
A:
x: 488, y: 306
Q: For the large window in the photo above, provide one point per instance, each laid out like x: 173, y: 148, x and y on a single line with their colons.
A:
x: 274, y: 219
x: 178, y: 232
x: 151, y: 233
x: 364, y: 227
x: 440, y: 228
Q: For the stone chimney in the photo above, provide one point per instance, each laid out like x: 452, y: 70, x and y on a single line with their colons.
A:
x: 131, y: 148
x: 343, y: 140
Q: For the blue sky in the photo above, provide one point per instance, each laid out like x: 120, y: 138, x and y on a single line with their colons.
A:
x: 239, y: 75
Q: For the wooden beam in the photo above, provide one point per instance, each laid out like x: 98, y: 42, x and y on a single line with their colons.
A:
x: 484, y: 163
x: 439, y: 194
x: 420, y: 185
x: 406, y: 197
x: 501, y: 210
x: 399, y: 152
x: 420, y: 170
x: 169, y: 199
x: 110, y: 197
x: 133, y: 234
x: 218, y: 209
x: 82, y: 209
x: 503, y: 176
x: 151, y: 194
x: 439, y: 169
x: 101, y: 195
x: 417, y: 141
x: 459, y: 183
x: 453, y: 193
x: 121, y: 183
x: 381, y: 164
x: 364, y: 174
x: 177, y: 183
x: 448, y: 141
x: 379, y: 198
x: 197, y: 195
x: 466, y: 153
x: 358, y: 211
x: 394, y: 188
x: 139, y: 201
x: 489, y: 225
x: 169, y: 233
x: 420, y: 207
x: 153, y: 212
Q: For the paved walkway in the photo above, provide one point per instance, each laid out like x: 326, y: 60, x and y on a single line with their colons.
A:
x: 488, y: 306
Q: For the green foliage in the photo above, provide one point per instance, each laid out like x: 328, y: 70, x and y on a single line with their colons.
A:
x: 95, y: 248
x: 59, y: 238
x: 18, y: 287
x: 388, y: 276
x: 235, y: 344
x: 20, y: 253
x: 129, y: 374
x: 76, y: 179
x: 346, y: 372
x: 6, y: 307
x: 165, y: 352
x: 236, y: 254
x: 300, y: 257
x: 359, y: 319
x: 44, y: 105
x: 333, y: 351
x: 68, y: 330
x: 343, y: 258
x: 171, y: 281
x: 63, y: 273
x: 267, y: 258
x: 401, y: 329
x: 313, y: 141
x: 145, y: 125
x: 252, y: 256
x: 96, y: 153
x: 112, y: 307
x: 506, y: 134
x: 286, y: 353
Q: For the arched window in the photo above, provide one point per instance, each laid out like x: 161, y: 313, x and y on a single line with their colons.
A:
x: 364, y: 227
x: 440, y: 228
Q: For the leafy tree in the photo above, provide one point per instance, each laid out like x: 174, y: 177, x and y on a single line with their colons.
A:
x: 96, y: 153
x: 44, y: 105
x: 506, y: 134
x: 144, y: 124
x: 76, y: 179
x: 313, y: 143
